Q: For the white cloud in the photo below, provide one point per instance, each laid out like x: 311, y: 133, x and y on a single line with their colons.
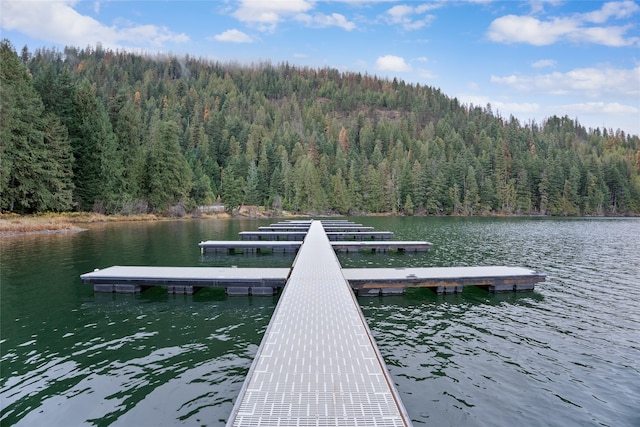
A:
x: 599, y: 108
x: 320, y: 20
x: 392, y: 63
x: 427, y: 74
x: 616, y: 10
x: 589, y: 114
x: 607, y: 36
x: 526, y: 109
x: 591, y: 82
x: 544, y: 63
x: 405, y: 16
x: 612, y: 115
x: 526, y: 29
x: 576, y: 28
x: 537, y: 6
x: 266, y: 15
x: 59, y: 22
x: 233, y: 36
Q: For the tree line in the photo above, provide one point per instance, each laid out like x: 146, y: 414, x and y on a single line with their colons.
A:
x: 118, y: 132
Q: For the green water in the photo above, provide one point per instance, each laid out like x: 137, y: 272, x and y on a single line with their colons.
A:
x: 566, y: 354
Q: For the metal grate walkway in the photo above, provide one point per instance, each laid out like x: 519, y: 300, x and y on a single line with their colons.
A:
x: 317, y: 364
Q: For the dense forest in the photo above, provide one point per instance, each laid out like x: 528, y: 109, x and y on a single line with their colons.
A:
x: 117, y: 132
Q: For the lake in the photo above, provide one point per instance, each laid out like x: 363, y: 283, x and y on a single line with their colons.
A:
x: 566, y: 354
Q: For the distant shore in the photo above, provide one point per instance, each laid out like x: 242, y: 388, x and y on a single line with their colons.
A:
x: 73, y: 222
x: 50, y: 223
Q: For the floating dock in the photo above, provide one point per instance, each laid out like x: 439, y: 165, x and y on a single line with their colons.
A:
x: 275, y: 246
x: 187, y: 280
x: 267, y: 281
x: 294, y: 228
x: 273, y: 235
x: 442, y: 280
x: 359, y: 235
x: 318, y: 364
x: 246, y: 246
x: 381, y: 246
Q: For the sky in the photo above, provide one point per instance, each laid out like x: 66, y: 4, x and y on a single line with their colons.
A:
x: 527, y: 59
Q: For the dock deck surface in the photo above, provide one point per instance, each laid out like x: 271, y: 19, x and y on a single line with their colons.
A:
x: 317, y: 364
x: 195, y: 275
x: 373, y: 281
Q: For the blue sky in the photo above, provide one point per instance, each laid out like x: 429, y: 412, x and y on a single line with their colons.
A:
x: 529, y: 59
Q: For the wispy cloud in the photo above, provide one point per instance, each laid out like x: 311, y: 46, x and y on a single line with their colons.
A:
x: 411, y: 17
x: 544, y: 63
x: 320, y: 20
x: 591, y: 82
x: 59, y: 22
x: 266, y: 15
x: 392, y: 63
x: 576, y: 28
x: 233, y: 36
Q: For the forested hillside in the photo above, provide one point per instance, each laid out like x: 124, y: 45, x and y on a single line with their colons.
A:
x: 117, y: 132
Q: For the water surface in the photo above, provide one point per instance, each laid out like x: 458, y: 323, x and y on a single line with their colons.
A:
x: 566, y: 354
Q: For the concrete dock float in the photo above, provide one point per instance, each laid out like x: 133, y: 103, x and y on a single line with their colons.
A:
x: 249, y: 246
x: 318, y: 364
x: 186, y: 280
x: 380, y: 246
x: 276, y: 246
x: 357, y: 235
x: 273, y: 235
x: 442, y: 280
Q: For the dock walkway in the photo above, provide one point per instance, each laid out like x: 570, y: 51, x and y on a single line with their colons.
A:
x: 186, y: 280
x: 318, y: 364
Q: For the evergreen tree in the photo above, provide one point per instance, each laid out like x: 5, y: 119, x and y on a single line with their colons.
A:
x: 35, y: 157
x: 98, y: 164
x: 309, y: 133
x: 168, y: 173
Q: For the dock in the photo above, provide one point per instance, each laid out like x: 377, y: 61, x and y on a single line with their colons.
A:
x: 381, y: 246
x: 276, y: 246
x: 187, y: 280
x: 300, y: 233
x: 267, y: 281
x: 246, y: 246
x: 318, y: 364
x: 273, y: 235
x: 442, y: 280
x: 299, y: 228
x: 359, y: 235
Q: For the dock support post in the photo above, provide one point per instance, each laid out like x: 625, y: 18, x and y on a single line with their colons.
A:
x: 127, y: 289
x: 116, y: 288
x: 180, y: 289
x: 440, y: 290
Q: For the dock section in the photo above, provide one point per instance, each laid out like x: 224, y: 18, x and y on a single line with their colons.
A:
x: 442, y: 280
x: 248, y: 246
x: 276, y: 246
x: 317, y: 364
x: 381, y: 246
x: 187, y: 280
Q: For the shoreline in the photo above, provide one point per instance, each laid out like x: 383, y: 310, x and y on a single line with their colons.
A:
x: 12, y: 225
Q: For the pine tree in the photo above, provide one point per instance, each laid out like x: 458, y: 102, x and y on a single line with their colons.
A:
x: 98, y: 164
x: 35, y: 155
x: 168, y: 173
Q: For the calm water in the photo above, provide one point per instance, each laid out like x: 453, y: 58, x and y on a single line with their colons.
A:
x: 566, y: 354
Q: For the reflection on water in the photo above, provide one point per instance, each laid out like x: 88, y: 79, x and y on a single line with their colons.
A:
x: 566, y: 354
